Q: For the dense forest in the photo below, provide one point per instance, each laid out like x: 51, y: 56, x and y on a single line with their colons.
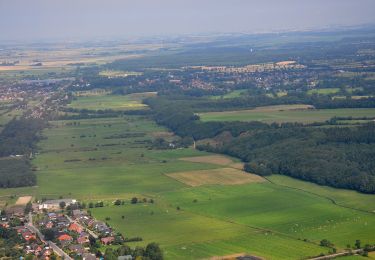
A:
x: 16, y: 172
x: 337, y: 156
x: 20, y: 136
x: 18, y: 139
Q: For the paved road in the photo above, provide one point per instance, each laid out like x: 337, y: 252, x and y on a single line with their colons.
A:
x: 59, y: 251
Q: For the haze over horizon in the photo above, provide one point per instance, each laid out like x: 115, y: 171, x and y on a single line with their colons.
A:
x: 87, y: 19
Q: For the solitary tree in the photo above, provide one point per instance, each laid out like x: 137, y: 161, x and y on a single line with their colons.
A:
x: 62, y: 204
x: 153, y: 252
x: 357, y: 244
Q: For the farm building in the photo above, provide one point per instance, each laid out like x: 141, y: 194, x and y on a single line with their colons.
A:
x: 55, y: 204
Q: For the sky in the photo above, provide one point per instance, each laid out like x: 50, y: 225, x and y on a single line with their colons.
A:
x: 32, y: 20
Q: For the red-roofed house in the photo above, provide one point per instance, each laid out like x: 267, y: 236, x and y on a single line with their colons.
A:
x: 83, y: 239
x: 107, y: 240
x: 65, y: 237
x: 76, y: 228
x: 27, y: 235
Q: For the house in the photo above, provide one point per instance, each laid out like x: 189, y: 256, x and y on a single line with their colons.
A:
x: 47, y: 252
x: 77, y: 213
x: 102, y: 228
x: 83, y: 238
x: 107, y: 240
x: 62, y: 222
x: 65, y: 240
x: 65, y: 237
x: 52, y: 216
x: 16, y: 211
x: 78, y: 249
x: 27, y: 235
x: 75, y: 227
x: 49, y: 224
x: 33, y: 249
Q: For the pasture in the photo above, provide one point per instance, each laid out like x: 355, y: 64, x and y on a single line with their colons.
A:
x: 286, y: 113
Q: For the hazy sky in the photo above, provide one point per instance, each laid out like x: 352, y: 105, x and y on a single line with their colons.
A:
x: 66, y: 19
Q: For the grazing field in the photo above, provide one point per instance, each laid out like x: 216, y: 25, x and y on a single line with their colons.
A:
x: 288, y: 113
x: 222, y: 176
x: 115, y: 102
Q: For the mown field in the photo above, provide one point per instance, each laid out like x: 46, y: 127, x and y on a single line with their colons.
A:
x: 286, y: 113
x: 110, y: 158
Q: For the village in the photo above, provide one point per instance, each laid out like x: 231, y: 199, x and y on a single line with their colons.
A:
x: 57, y: 229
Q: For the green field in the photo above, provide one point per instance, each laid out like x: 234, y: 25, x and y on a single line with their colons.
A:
x: 323, y: 91
x: 6, y: 116
x: 115, y: 102
x: 233, y: 94
x: 109, y: 158
x: 286, y: 114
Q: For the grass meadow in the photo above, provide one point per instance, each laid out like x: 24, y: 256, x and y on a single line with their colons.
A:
x: 286, y: 114
x: 110, y: 158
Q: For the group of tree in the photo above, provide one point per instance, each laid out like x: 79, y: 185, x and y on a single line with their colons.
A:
x: 151, y: 252
x: 9, y: 244
x: 16, y: 172
x: 341, y: 157
x: 19, y: 136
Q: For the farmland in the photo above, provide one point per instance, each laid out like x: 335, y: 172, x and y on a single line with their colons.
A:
x: 149, y: 157
x: 222, y: 212
x: 287, y: 113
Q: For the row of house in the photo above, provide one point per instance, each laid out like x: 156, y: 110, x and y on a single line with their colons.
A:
x: 105, y: 232
x: 70, y: 236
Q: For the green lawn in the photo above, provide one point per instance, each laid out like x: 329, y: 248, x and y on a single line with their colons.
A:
x: 285, y: 115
